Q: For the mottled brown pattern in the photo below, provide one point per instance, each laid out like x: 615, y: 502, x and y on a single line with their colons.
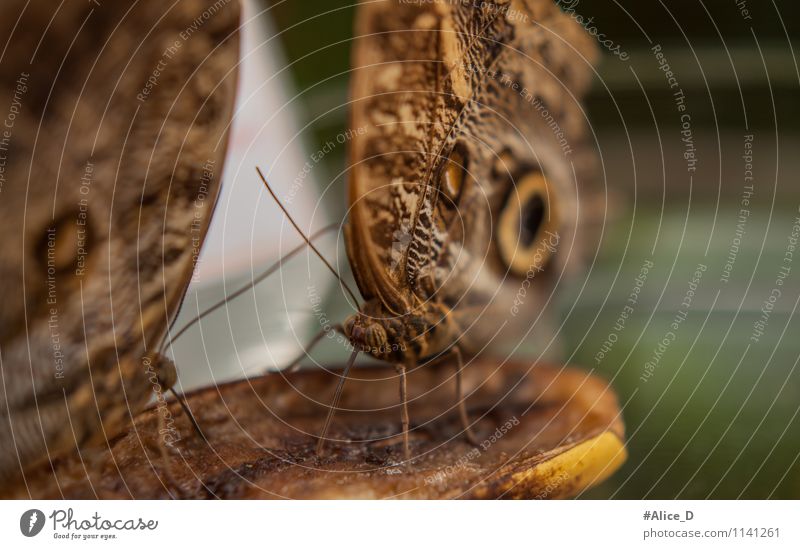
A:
x: 431, y: 77
x: 116, y: 167
x: 261, y: 435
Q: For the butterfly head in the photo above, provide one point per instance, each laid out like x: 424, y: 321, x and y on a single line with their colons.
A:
x: 375, y: 336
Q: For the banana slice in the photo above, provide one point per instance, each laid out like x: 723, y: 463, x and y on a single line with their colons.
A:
x: 540, y: 432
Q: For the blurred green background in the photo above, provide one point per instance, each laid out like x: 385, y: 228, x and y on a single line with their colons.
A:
x: 719, y: 416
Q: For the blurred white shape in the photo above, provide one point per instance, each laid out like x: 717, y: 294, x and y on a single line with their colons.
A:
x: 267, y: 326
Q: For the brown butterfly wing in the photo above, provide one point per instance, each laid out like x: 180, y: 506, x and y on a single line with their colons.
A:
x: 408, y: 88
x: 430, y: 78
x: 524, y: 115
x: 111, y: 176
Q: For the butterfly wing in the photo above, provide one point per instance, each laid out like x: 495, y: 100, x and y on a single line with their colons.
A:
x: 523, y: 116
x: 489, y: 93
x: 121, y: 114
x: 408, y: 81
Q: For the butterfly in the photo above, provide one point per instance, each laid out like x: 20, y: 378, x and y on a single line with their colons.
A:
x: 459, y: 191
x: 112, y: 153
x: 470, y: 151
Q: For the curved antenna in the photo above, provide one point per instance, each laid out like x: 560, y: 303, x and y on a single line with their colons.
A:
x: 224, y: 301
x: 302, y: 234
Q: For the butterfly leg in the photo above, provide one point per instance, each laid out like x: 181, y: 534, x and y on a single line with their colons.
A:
x: 455, y: 350
x: 401, y: 369
x: 189, y: 414
x: 337, y: 395
x: 295, y: 364
x: 166, y: 461
x: 167, y: 377
x: 462, y: 403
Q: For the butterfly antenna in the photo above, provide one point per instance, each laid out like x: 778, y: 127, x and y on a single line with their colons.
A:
x: 250, y: 285
x: 307, y: 240
x: 335, y: 404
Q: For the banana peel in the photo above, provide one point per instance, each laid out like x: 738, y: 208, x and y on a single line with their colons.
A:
x: 541, y: 431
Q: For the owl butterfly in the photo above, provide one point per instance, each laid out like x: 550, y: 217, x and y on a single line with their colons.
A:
x: 469, y: 159
x: 113, y: 145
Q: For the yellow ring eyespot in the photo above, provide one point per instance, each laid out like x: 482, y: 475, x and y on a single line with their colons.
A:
x: 453, y: 174
x: 527, y: 234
